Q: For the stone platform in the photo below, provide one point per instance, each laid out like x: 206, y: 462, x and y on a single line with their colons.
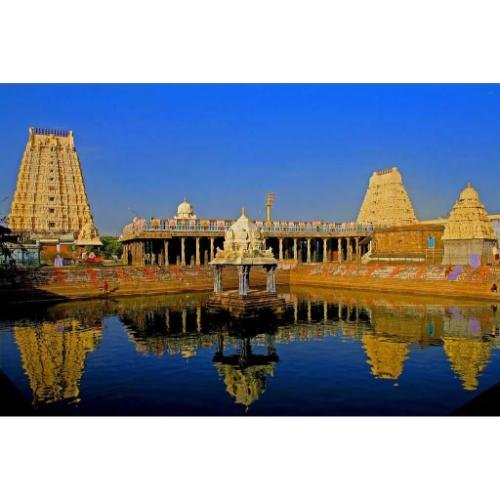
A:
x: 252, y: 303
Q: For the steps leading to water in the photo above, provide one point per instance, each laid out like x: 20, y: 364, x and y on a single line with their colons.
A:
x: 85, y: 282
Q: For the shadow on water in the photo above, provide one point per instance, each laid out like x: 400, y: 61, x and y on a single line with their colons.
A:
x: 350, y: 350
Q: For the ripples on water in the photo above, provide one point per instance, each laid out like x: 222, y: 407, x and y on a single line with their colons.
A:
x: 331, y: 353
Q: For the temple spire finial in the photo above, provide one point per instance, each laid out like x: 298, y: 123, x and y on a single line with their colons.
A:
x: 243, y: 211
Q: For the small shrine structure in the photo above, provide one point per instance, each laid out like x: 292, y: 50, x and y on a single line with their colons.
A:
x: 244, y: 248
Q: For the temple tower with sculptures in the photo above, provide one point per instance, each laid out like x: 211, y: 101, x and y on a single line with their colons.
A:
x: 386, y: 201
x: 468, y: 233
x: 50, y: 200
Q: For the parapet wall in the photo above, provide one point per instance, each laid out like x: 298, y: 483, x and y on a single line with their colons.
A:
x: 89, y: 282
x: 421, y: 279
x: 49, y: 283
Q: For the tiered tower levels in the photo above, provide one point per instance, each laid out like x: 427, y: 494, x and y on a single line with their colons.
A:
x: 468, y: 219
x: 50, y: 198
x: 386, y: 202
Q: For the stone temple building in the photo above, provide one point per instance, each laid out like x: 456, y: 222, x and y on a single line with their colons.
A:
x: 386, y: 201
x: 50, y: 201
x: 468, y: 236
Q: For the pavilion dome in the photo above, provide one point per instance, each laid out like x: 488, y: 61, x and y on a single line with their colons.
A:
x: 185, y: 210
x: 244, y: 243
x: 468, y: 218
x: 244, y: 234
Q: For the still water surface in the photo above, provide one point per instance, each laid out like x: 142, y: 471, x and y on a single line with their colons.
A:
x: 332, y: 353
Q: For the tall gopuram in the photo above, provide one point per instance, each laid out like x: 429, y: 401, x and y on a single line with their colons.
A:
x: 386, y: 201
x: 468, y: 236
x: 50, y: 201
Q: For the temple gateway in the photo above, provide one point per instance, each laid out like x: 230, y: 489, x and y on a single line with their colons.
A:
x: 50, y: 202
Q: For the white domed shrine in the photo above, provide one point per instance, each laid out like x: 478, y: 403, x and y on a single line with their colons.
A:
x: 244, y: 247
x: 185, y: 210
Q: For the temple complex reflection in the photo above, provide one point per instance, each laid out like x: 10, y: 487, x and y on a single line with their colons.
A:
x: 388, y: 329
x: 386, y: 326
x: 53, y: 356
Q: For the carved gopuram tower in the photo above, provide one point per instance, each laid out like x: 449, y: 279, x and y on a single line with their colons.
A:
x: 386, y: 201
x: 50, y: 199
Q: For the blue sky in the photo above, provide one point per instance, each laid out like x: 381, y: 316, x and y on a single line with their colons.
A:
x: 145, y: 147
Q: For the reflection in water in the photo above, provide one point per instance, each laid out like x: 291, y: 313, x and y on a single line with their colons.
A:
x: 468, y: 358
x: 53, y: 356
x: 54, y: 346
x: 245, y: 373
x: 385, y: 356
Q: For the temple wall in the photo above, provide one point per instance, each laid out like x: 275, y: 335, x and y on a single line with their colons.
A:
x: 463, y: 251
x: 49, y: 283
x: 407, y: 242
x: 86, y: 282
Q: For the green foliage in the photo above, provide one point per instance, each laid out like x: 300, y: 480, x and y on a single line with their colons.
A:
x: 111, y: 246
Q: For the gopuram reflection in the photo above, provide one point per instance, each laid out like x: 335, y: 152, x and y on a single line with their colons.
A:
x: 53, y: 357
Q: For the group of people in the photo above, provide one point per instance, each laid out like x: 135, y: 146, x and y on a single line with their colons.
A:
x: 85, y: 257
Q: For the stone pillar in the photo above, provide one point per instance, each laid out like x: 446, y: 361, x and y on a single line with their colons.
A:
x: 295, y: 311
x: 165, y: 246
x: 325, y: 250
x: 197, y: 251
x: 308, y: 250
x: 309, y: 312
x: 295, y: 257
x: 339, y: 257
x: 243, y: 272
x: 271, y: 279
x: 218, y: 279
x: 183, y: 251
x: 240, y: 280
x: 140, y: 253
x: 280, y: 241
x: 358, y: 256
x: 212, y: 248
x: 349, y: 248
x: 167, y: 319
x: 325, y: 311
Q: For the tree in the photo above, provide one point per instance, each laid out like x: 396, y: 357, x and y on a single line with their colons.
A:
x: 111, y: 246
x: 5, y: 237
